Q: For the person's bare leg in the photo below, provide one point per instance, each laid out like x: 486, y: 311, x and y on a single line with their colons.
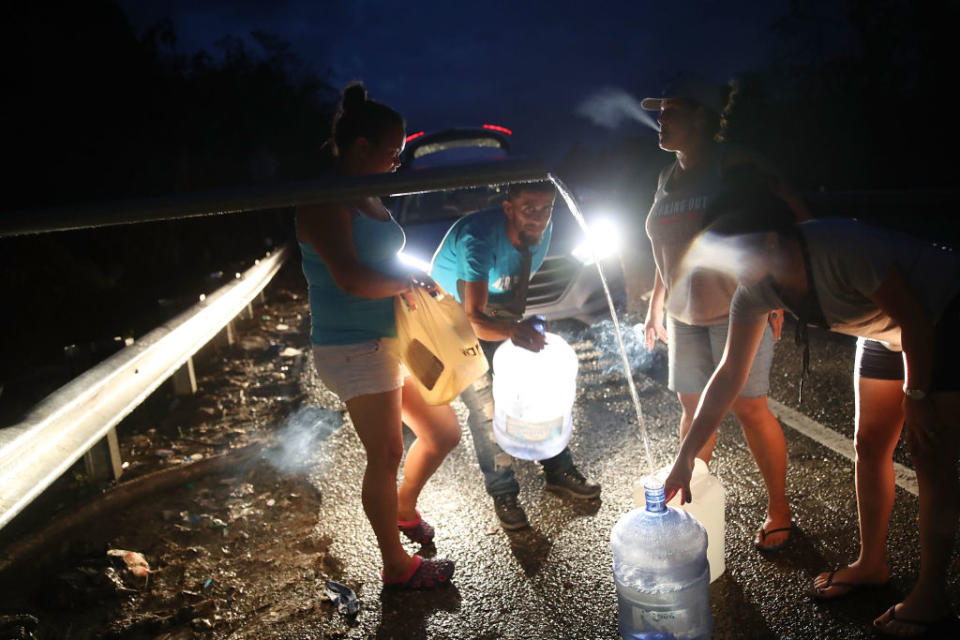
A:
x: 376, y: 419
x: 879, y: 419
x: 769, y: 448
x: 688, y: 404
x: 437, y: 431
x: 939, y: 500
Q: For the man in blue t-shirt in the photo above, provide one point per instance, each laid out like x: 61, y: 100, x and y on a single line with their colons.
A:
x: 486, y: 260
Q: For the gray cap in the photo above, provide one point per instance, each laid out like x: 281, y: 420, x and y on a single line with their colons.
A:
x: 693, y: 87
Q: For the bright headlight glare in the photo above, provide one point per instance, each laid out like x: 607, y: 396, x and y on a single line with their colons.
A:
x: 602, y: 242
x: 414, y: 261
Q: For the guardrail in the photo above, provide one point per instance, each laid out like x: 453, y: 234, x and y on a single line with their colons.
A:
x: 65, y: 425
x: 84, y: 412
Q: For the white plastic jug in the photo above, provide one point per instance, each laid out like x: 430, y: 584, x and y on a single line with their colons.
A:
x: 533, y: 396
x: 709, y: 501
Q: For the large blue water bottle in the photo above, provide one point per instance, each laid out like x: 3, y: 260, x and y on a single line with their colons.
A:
x: 661, y: 571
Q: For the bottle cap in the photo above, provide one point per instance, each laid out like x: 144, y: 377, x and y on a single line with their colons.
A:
x: 539, y: 323
x: 655, y: 494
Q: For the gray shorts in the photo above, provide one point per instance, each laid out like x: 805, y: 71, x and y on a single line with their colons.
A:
x: 695, y: 351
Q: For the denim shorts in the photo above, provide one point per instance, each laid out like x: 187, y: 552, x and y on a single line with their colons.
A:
x: 695, y: 351
x: 351, y: 370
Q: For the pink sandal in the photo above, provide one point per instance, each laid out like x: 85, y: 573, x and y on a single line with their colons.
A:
x: 417, y: 530
x: 422, y: 574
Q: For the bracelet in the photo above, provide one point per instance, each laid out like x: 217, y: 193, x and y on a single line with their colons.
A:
x: 914, y: 394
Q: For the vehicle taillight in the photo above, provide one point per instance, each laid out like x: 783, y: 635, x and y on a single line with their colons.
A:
x: 495, y: 127
x: 414, y: 136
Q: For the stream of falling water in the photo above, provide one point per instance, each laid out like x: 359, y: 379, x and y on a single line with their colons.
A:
x: 578, y: 216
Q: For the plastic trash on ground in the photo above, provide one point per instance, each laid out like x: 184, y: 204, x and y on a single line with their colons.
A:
x: 344, y: 597
x: 134, y: 560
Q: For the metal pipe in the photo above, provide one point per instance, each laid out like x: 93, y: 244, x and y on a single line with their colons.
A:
x: 237, y: 200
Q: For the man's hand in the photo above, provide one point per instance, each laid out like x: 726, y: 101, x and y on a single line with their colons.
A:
x: 653, y: 329
x: 776, y: 322
x: 679, y: 480
x: 524, y: 335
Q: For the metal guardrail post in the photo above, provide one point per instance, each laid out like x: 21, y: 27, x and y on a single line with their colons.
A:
x: 185, y: 379
x: 103, y: 462
x: 227, y: 336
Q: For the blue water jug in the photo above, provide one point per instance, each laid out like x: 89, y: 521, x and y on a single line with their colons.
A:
x: 661, y: 571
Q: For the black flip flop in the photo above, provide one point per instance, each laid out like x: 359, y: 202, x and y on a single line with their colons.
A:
x: 925, y: 626
x: 773, y: 547
x: 818, y: 593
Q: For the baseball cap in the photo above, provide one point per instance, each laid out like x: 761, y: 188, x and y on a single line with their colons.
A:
x: 693, y: 87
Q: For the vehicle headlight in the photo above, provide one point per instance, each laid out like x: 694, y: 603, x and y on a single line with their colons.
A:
x: 602, y: 241
x: 414, y: 261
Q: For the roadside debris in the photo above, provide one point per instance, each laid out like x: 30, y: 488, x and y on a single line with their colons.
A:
x: 344, y: 597
x: 134, y: 560
x: 209, y: 536
x: 18, y: 627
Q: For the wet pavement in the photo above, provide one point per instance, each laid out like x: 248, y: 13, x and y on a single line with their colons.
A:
x: 553, y: 580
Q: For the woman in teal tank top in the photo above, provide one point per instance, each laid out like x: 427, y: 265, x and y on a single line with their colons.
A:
x: 349, y: 252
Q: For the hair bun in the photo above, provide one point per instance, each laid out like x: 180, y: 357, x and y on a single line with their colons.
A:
x: 354, y: 96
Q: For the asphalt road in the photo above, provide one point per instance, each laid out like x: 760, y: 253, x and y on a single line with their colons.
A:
x: 555, y: 581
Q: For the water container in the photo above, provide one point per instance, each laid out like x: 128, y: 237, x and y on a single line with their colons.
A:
x: 709, y: 500
x: 661, y: 572
x: 533, y: 396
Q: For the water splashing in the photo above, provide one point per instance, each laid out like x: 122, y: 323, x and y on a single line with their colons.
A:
x: 604, y: 340
x: 609, y: 107
x: 578, y: 216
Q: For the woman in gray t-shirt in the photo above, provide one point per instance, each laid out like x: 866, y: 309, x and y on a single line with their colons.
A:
x: 862, y: 281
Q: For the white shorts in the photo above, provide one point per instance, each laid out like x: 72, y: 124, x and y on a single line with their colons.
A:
x: 361, y: 368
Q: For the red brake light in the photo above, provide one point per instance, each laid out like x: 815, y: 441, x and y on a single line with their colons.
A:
x: 494, y: 127
x: 414, y: 136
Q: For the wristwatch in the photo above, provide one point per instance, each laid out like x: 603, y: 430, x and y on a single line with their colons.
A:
x: 915, y: 394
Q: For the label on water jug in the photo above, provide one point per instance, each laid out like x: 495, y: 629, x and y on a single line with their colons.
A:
x: 646, y: 619
x: 673, y: 623
x: 533, y: 431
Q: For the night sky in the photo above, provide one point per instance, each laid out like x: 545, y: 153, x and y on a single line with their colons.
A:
x: 524, y: 65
